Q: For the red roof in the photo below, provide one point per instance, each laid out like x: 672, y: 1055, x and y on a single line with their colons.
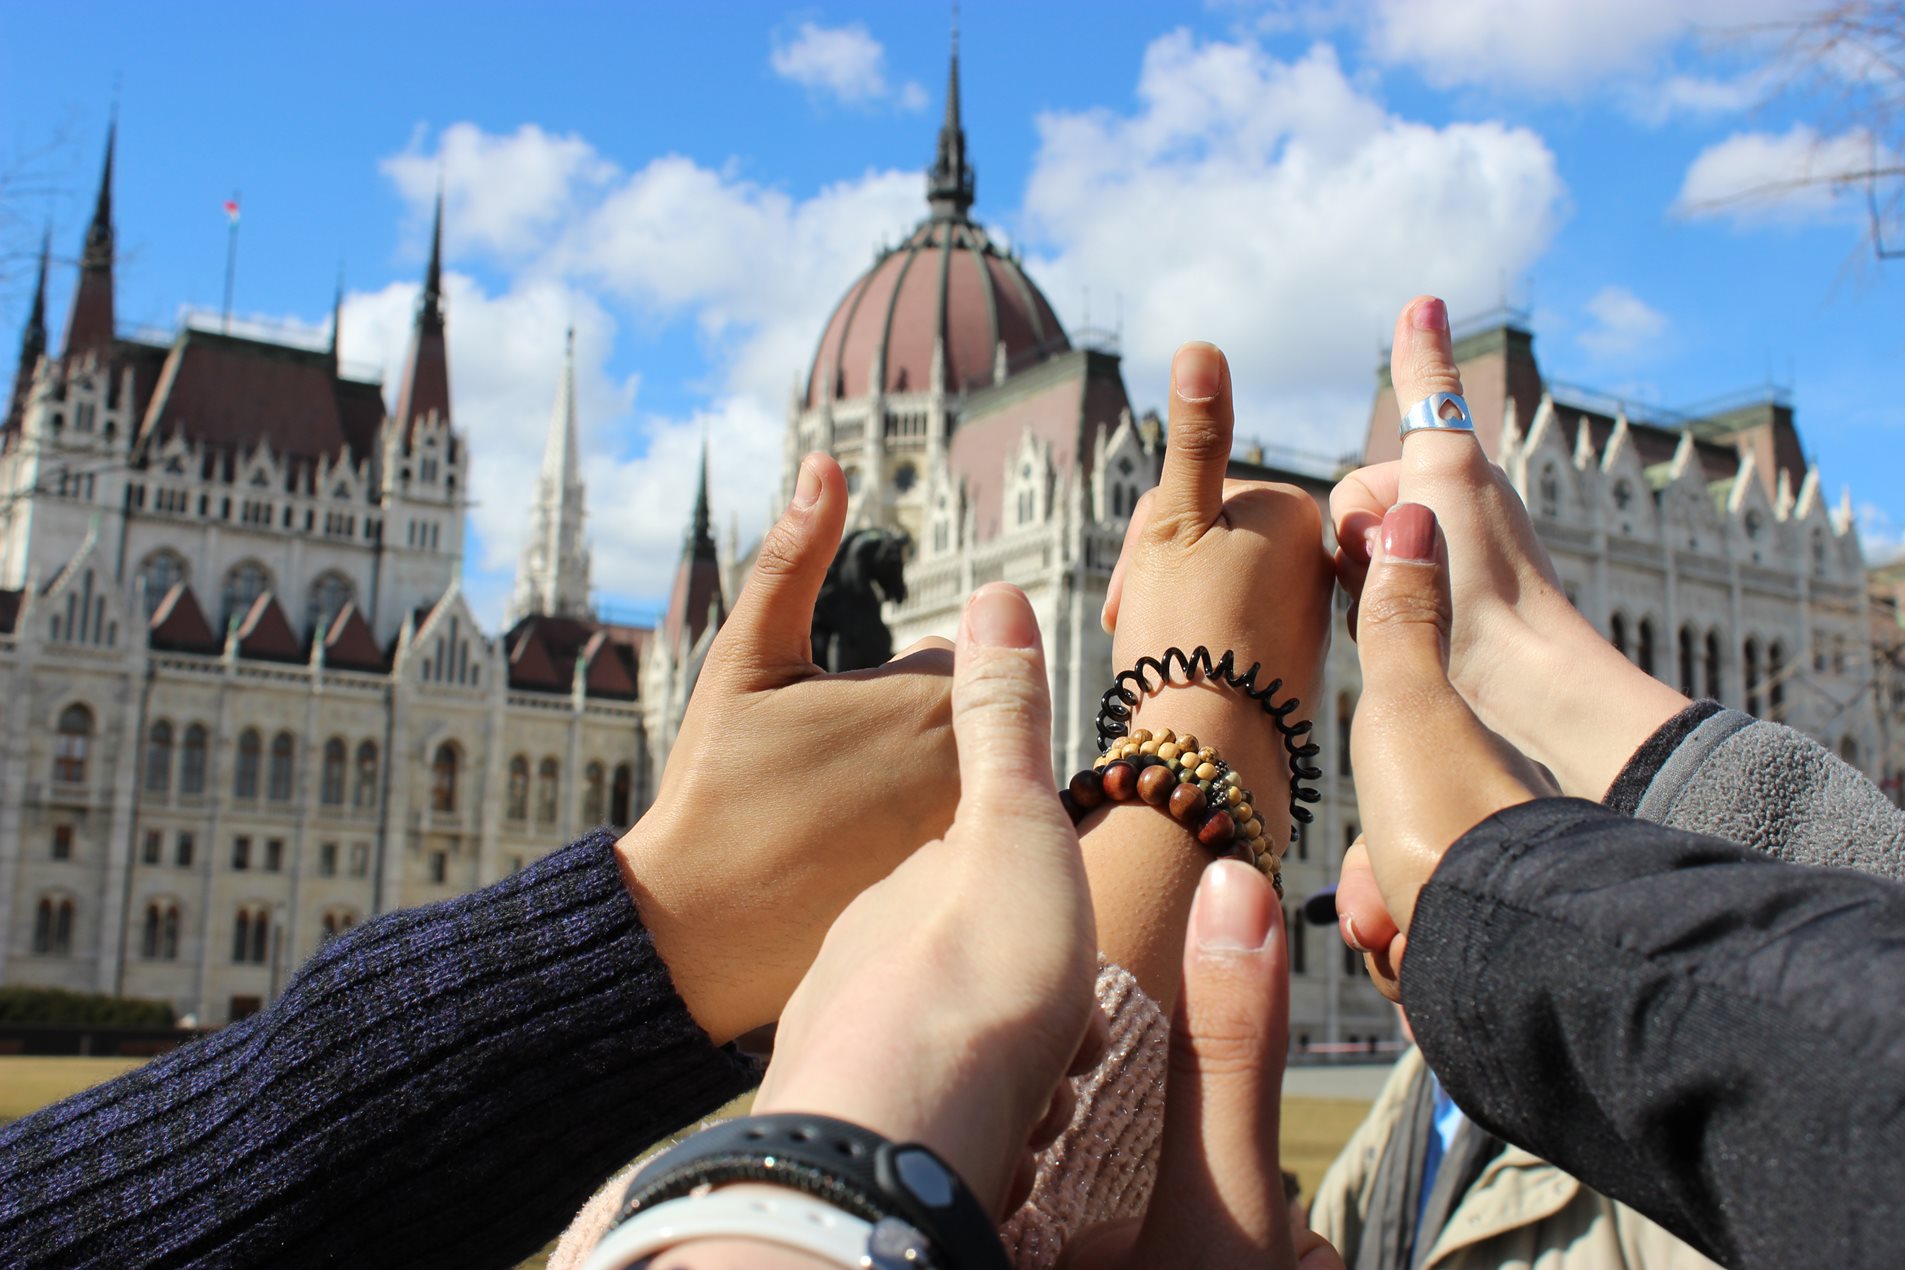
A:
x: 947, y: 280
x: 544, y: 651
x: 348, y: 643
x: 233, y: 394
x: 179, y: 624
x: 265, y: 634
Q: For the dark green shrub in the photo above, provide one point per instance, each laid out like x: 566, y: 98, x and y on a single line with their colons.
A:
x: 81, y: 1009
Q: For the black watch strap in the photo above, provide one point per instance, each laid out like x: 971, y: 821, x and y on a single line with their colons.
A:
x: 854, y: 1169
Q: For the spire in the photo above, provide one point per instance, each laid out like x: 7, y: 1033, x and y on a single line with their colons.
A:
x: 337, y: 319
x: 90, y: 328
x: 553, y: 579
x: 32, y: 339
x: 949, y: 183
x: 695, y: 601
x: 425, y: 388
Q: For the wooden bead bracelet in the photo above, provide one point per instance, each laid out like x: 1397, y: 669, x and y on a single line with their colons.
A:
x: 1185, y: 779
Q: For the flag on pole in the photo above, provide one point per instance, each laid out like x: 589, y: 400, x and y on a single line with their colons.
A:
x: 231, y: 210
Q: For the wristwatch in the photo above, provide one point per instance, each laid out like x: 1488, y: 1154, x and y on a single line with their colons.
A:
x: 900, y: 1190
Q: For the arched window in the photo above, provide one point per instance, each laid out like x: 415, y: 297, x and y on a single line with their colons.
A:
x: 443, y: 779
x: 278, y: 788
x: 1715, y: 663
x: 1550, y: 492
x: 365, y: 793
x: 620, y: 794
x: 192, y: 760
x: 1689, y: 686
x: 329, y: 594
x: 1617, y: 633
x: 159, y: 757
x: 337, y: 921
x: 160, y: 939
x: 73, y: 745
x: 331, y: 783
x: 251, y: 748
x: 548, y: 778
x: 594, y: 794
x: 53, y: 926
x: 1646, y: 646
x: 1749, y: 666
x: 244, y: 583
x: 1345, y: 716
x: 251, y: 932
x: 160, y: 572
x: 517, y: 804
x: 1776, y: 682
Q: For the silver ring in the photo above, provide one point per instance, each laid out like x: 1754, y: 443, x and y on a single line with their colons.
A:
x: 1426, y: 415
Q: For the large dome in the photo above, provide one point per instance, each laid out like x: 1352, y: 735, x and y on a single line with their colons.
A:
x: 947, y: 280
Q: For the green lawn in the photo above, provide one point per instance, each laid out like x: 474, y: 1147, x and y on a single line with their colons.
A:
x: 1314, y: 1129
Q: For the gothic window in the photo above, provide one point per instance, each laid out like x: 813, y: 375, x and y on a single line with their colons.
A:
x: 1776, y: 682
x: 182, y: 851
x: 327, y: 860
x: 244, y: 583
x: 1818, y: 550
x: 53, y: 926
x: 160, y: 939
x: 331, y: 782
x: 159, y: 757
x: 548, y: 776
x: 192, y: 760
x: 360, y: 859
x: 439, y: 867
x: 1645, y: 648
x: 241, y: 853
x: 274, y: 855
x: 251, y: 749
x: 1623, y: 493
x: 1713, y: 664
x: 620, y: 795
x: 62, y: 842
x: 251, y: 931
x: 905, y: 476
x: 72, y: 745
x: 160, y: 572
x: 329, y: 594
x: 1550, y: 492
x: 594, y: 794
x: 1749, y: 665
x: 1753, y: 524
x: 517, y: 805
x: 365, y: 792
x: 1617, y: 633
x: 1688, y: 688
x: 278, y: 788
x: 443, y: 779
x: 153, y: 849
x: 337, y: 921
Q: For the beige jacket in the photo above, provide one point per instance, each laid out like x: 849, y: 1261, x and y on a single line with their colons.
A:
x: 1521, y: 1212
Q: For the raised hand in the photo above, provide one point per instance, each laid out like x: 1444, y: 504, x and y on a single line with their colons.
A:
x: 788, y: 791
x: 1532, y: 667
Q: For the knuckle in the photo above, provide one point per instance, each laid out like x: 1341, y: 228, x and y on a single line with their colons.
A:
x: 1199, y: 438
x: 1387, y: 608
x: 780, y: 552
x: 1226, y: 1047
x: 1003, y: 688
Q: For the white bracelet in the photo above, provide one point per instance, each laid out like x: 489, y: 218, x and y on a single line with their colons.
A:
x: 770, y: 1214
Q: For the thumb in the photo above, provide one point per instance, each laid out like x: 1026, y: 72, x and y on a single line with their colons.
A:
x: 771, y: 627
x: 1402, y: 630
x: 1219, y: 1195
x: 1002, y: 707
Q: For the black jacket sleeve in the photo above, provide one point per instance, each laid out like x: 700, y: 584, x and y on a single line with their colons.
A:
x: 1710, y: 1036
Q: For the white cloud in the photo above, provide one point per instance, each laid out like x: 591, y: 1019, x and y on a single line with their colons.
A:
x: 1788, y: 177
x: 1880, y: 537
x: 1624, y: 324
x: 1280, y: 211
x: 844, y: 62
x: 500, y: 193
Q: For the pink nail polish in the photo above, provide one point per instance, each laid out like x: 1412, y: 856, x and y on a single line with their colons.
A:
x: 1430, y: 315
x: 1408, y: 533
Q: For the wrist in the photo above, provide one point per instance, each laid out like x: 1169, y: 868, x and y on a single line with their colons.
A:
x: 1595, y: 711
x: 656, y: 868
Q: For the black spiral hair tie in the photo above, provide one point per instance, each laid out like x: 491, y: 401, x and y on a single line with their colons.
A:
x: 1116, y: 706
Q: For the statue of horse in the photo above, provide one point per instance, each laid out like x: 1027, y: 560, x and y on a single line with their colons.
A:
x: 867, y: 570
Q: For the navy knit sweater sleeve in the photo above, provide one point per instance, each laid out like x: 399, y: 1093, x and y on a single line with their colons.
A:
x: 442, y: 1086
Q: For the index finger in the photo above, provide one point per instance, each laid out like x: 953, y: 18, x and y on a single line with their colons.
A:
x: 1190, y: 492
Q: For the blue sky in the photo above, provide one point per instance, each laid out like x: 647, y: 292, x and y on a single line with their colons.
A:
x: 693, y: 187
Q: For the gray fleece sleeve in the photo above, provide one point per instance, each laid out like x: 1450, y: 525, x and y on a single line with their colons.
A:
x: 1775, y: 790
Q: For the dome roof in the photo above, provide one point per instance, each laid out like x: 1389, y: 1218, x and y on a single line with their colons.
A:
x: 948, y: 281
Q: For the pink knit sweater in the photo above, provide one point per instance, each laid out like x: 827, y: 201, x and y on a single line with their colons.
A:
x: 1101, y: 1169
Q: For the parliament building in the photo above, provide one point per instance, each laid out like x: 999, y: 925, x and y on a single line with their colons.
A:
x: 248, y: 705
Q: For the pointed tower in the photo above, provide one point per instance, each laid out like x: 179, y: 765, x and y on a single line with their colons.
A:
x: 695, y: 601
x: 32, y: 340
x: 337, y: 321
x: 949, y: 183
x: 90, y: 327
x: 425, y: 389
x: 554, y: 577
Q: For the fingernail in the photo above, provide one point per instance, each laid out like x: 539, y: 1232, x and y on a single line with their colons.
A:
x: 1350, y: 936
x: 1197, y: 372
x: 1232, y: 910
x: 1001, y: 617
x: 1370, y: 536
x: 806, y: 487
x: 1430, y: 315
x: 1408, y: 533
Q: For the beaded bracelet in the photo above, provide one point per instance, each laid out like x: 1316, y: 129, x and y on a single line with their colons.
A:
x: 1121, y: 699
x: 1189, y: 781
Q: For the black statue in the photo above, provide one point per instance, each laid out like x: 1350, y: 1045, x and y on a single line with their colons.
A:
x: 848, y: 632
